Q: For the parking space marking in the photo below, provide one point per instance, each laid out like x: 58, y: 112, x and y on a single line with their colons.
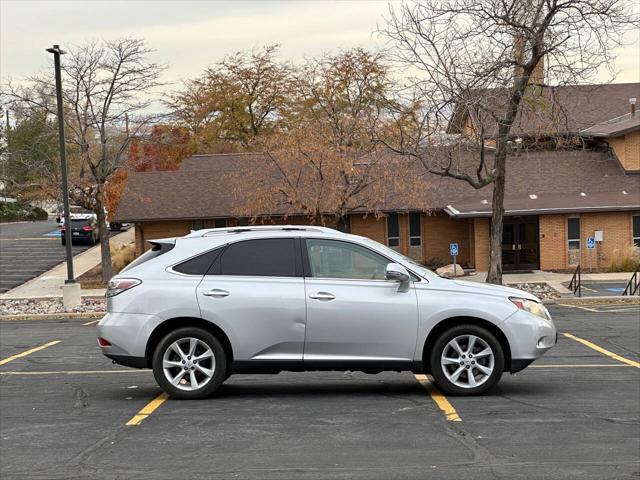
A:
x: 604, y: 351
x: 148, y: 409
x: 578, y: 306
x: 77, y: 372
x: 28, y: 352
x: 584, y: 365
x: 440, y: 400
x: 91, y: 322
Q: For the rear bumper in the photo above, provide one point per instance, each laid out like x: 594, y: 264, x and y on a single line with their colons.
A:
x: 127, y: 333
x: 127, y: 361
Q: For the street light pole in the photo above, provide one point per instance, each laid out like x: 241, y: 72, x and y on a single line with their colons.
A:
x: 63, y: 161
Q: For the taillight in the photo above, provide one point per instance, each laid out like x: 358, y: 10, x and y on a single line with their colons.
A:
x: 104, y: 343
x: 87, y: 228
x: 118, y: 285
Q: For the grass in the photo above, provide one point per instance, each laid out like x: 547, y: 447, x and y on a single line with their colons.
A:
x: 121, y: 256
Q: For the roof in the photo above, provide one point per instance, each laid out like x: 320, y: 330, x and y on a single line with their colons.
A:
x: 199, y: 190
x: 615, y: 127
x: 561, y: 110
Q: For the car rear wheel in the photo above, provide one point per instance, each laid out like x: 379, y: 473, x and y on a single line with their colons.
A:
x: 466, y: 360
x: 189, y: 363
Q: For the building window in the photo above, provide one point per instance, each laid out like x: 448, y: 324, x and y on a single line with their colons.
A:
x: 393, y: 230
x: 344, y: 225
x: 220, y: 223
x: 636, y: 230
x: 415, y: 230
x: 573, y: 233
x: 243, y: 222
x: 197, y: 225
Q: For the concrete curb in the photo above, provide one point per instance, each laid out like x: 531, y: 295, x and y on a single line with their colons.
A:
x: 52, y: 316
x: 48, y: 297
x: 617, y: 299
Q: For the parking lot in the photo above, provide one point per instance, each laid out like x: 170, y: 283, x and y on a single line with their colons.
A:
x: 68, y: 412
x: 28, y: 249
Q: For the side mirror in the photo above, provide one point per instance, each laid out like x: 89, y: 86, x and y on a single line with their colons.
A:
x: 398, y: 273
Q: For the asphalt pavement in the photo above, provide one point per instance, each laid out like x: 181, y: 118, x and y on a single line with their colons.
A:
x: 68, y: 412
x: 28, y: 249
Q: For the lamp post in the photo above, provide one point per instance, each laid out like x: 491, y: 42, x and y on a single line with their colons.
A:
x: 57, y: 51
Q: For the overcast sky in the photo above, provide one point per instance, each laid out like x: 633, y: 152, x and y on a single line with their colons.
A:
x: 189, y: 35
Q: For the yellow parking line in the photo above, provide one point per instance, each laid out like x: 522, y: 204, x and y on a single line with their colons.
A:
x: 586, y: 365
x: 603, y: 350
x: 91, y: 322
x: 77, y: 372
x: 579, y: 306
x: 442, y: 402
x: 148, y: 409
x: 28, y: 352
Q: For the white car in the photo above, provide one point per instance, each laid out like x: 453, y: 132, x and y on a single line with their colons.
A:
x: 199, y: 308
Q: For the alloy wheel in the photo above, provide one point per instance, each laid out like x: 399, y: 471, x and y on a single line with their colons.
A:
x: 467, y: 361
x: 188, y: 364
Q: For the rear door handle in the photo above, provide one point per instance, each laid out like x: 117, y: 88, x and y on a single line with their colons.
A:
x: 323, y: 296
x: 216, y: 292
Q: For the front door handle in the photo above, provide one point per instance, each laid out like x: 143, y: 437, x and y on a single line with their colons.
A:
x: 323, y: 296
x: 216, y: 292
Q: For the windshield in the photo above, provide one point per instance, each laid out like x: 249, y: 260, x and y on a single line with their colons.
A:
x: 422, y: 270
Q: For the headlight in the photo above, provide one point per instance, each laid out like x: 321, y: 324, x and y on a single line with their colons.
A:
x: 531, y: 307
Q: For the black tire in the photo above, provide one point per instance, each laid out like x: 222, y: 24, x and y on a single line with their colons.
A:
x: 437, y: 369
x: 115, y: 227
x: 219, y: 371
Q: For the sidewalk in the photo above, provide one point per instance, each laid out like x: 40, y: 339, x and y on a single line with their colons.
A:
x: 49, y: 284
x: 554, y: 280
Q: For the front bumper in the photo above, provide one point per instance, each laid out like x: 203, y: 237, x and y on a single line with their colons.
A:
x: 529, y: 338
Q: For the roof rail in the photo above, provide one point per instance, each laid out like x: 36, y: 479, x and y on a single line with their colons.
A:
x: 207, y: 232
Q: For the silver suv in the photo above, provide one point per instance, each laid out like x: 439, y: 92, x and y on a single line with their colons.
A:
x: 199, y: 308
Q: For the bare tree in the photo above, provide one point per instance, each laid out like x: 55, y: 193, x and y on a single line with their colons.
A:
x: 478, y: 67
x: 106, y: 92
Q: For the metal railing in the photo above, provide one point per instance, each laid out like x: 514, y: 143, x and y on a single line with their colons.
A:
x: 633, y: 286
x: 575, y: 285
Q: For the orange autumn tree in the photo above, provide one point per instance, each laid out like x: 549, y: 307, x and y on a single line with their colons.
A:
x: 163, y: 148
x: 301, y: 173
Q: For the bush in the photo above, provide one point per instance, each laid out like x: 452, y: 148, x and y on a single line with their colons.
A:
x: 626, y: 261
x: 435, y: 262
x: 16, y: 212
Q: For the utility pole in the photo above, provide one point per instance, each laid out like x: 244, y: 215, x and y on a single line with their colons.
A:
x: 71, y: 291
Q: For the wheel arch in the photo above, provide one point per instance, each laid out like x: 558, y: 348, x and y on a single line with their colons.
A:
x: 180, y: 322
x: 448, y: 323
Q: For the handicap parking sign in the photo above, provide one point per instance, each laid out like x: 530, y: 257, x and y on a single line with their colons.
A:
x: 591, y: 243
x: 453, y: 249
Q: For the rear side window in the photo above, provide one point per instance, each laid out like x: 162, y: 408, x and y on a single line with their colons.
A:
x: 268, y: 257
x: 156, y: 250
x: 200, y: 264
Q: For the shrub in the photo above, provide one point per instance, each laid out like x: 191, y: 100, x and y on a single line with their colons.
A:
x: 434, y: 263
x: 626, y: 261
x: 17, y: 211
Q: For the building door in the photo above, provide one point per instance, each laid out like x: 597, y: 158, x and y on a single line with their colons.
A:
x: 520, y: 243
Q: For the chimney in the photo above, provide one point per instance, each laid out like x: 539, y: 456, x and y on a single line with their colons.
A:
x: 519, y: 49
x: 632, y: 101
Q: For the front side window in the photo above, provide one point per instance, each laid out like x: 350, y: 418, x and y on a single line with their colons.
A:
x: 393, y: 230
x: 573, y: 233
x: 415, y: 231
x: 636, y: 230
x: 337, y: 259
x: 266, y: 257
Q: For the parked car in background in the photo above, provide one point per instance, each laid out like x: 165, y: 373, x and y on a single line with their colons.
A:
x: 199, y: 308
x: 73, y: 210
x: 83, y: 229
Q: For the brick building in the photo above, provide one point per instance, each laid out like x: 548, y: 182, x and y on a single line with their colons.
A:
x: 555, y: 197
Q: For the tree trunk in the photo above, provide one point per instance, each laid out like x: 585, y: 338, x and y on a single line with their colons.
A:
x: 497, y: 213
x: 105, y: 251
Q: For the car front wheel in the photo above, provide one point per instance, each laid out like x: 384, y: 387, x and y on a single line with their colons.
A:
x: 189, y: 363
x: 466, y: 360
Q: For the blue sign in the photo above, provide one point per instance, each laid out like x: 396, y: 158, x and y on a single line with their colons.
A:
x: 591, y: 243
x: 453, y: 249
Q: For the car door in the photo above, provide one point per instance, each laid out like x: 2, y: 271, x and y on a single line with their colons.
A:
x: 255, y: 292
x: 353, y: 312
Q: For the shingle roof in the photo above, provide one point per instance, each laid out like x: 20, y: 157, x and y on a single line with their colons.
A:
x: 560, y: 110
x: 614, y: 127
x: 200, y: 189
